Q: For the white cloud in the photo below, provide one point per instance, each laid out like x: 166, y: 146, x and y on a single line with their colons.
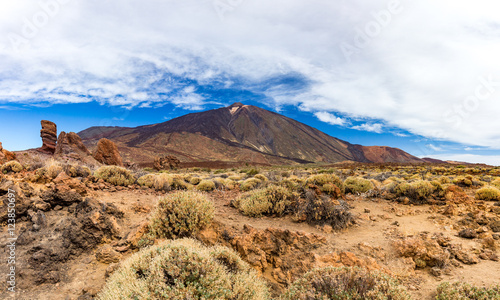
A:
x: 493, y: 160
x: 434, y: 147
x: 330, y: 118
x: 424, y: 71
x: 377, y: 128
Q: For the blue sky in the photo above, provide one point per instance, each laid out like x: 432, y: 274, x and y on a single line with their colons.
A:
x: 365, y: 71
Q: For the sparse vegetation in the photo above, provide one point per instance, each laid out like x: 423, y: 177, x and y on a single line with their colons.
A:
x: 185, y: 269
x: 465, y: 291
x: 181, y: 214
x: 345, y: 283
x: 115, y: 175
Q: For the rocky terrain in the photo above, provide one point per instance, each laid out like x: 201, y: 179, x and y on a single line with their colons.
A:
x: 421, y: 225
x: 83, y: 217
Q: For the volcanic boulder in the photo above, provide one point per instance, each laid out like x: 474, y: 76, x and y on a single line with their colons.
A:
x: 107, y: 153
x: 49, y: 137
x: 70, y: 144
x: 166, y: 163
x: 5, y: 155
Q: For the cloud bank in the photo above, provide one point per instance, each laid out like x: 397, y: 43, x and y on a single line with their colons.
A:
x: 426, y: 67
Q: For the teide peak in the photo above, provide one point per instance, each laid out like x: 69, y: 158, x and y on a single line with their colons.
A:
x: 238, y: 134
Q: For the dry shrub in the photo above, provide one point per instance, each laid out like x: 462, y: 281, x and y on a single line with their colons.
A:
x: 206, y: 185
x: 77, y: 170
x: 454, y: 193
x: 357, y: 185
x: 327, y: 183
x: 496, y: 183
x: 489, y: 193
x: 12, y: 166
x: 181, y: 214
x: 271, y: 200
x: 465, y: 291
x: 345, y: 283
x: 163, y: 182
x: 185, y: 269
x: 261, y: 177
x: 115, y: 175
x: 321, y: 210
x: 463, y: 181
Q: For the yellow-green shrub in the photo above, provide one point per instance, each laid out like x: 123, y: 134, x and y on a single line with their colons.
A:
x: 345, y: 283
x: 417, y: 190
x: 163, y: 182
x: 181, y: 214
x: 206, y: 185
x: 147, y: 180
x: 115, y: 175
x: 357, y: 185
x: 271, y: 200
x: 463, y: 181
x: 261, y: 177
x: 489, y: 193
x: 496, y: 183
x: 195, y: 180
x: 250, y: 184
x: 12, y: 166
x: 465, y: 291
x: 184, y: 269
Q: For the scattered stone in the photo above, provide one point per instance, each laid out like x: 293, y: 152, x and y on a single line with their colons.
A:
x: 435, y: 271
x: 467, y: 234
x: 167, y: 162
x: 108, y: 255
x: 367, y: 211
x: 107, y: 153
x: 110, y: 269
x: 495, y: 226
x: 396, y: 223
x: 71, y: 145
x: 49, y: 137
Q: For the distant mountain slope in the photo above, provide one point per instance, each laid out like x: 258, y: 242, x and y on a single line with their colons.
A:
x: 239, y: 133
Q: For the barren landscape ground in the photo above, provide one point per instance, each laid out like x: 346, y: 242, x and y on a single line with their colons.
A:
x: 422, y: 225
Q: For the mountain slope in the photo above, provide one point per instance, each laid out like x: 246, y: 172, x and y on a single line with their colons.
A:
x: 238, y: 133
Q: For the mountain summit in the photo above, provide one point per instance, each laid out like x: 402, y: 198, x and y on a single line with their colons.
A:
x: 238, y: 133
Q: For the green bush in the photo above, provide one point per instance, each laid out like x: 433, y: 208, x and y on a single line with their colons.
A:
x: 206, y: 185
x: 345, y: 283
x: 115, y: 175
x: 12, y: 167
x: 327, y: 183
x: 488, y: 193
x: 357, y: 185
x: 464, y: 291
x: 271, y: 200
x: 184, y: 269
x: 181, y: 214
